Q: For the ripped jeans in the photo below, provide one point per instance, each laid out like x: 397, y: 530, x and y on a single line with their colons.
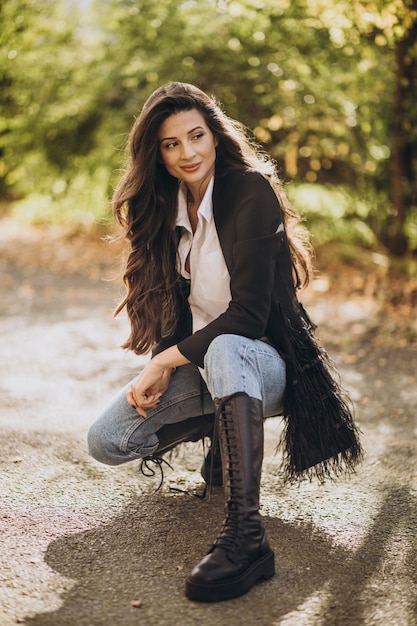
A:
x: 232, y: 364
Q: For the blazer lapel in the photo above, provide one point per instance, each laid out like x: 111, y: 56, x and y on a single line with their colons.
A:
x: 223, y: 209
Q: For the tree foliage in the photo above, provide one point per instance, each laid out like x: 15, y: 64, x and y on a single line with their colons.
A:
x: 327, y: 87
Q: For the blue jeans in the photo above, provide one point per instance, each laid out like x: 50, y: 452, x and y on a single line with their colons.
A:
x: 232, y: 364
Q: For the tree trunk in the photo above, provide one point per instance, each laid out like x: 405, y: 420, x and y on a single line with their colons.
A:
x: 404, y: 144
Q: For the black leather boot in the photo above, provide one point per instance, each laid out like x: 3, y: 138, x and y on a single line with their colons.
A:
x: 240, y: 556
x: 211, y: 469
x: 192, y: 429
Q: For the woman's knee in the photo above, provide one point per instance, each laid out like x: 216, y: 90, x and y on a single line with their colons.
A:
x: 101, y: 448
x: 225, y: 365
x: 223, y: 349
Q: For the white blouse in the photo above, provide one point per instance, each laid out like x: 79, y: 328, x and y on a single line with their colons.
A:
x: 209, y: 277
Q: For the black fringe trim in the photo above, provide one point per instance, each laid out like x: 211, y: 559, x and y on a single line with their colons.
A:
x: 320, y: 439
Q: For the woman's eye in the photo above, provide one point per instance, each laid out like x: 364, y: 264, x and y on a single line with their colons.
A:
x: 198, y: 136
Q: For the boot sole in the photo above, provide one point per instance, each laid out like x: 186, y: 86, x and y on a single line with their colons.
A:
x: 262, y: 569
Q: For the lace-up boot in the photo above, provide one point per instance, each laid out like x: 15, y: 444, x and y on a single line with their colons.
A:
x: 211, y: 469
x: 240, y: 556
x: 191, y: 429
x: 172, y: 435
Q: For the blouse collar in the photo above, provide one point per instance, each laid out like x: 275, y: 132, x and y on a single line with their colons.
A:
x: 205, y: 209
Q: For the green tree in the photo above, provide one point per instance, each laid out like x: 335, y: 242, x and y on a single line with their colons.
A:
x: 327, y: 87
x: 50, y: 97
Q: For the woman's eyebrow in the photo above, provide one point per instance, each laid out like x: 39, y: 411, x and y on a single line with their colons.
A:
x: 188, y: 133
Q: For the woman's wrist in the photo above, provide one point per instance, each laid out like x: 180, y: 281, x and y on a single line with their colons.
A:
x: 169, y: 359
x: 162, y: 364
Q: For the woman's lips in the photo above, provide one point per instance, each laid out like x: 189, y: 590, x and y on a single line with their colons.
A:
x: 191, y: 168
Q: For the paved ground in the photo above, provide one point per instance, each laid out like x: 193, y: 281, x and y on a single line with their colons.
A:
x: 83, y: 545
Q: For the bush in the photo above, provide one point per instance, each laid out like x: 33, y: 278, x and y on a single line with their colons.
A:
x: 333, y: 214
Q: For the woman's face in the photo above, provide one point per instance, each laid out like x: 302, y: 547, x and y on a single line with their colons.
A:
x: 188, y: 149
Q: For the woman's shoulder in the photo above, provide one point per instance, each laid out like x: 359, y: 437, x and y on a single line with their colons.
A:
x: 241, y: 181
x: 242, y: 173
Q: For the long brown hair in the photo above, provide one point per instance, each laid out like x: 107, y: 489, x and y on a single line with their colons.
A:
x: 145, y: 204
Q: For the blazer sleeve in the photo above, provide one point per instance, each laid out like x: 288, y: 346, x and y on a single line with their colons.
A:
x: 250, y: 231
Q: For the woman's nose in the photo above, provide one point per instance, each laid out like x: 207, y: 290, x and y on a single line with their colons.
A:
x: 187, y: 150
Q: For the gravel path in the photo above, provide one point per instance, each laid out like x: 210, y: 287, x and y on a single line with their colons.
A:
x: 83, y: 545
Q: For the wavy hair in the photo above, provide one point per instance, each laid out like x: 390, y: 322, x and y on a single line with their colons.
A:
x: 145, y: 204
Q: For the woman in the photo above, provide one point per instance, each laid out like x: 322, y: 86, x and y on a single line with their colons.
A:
x: 216, y: 256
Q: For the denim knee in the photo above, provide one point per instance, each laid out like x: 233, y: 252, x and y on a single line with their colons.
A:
x: 234, y: 363
x: 222, y: 352
x: 101, y: 448
x: 228, y: 365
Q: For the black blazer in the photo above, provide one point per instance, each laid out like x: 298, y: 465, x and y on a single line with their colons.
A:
x: 249, y: 224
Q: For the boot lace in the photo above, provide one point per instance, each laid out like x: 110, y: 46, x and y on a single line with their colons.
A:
x: 149, y: 466
x: 150, y: 471
x: 230, y: 536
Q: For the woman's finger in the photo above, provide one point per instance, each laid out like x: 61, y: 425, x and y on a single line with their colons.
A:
x: 141, y: 411
x: 130, y: 399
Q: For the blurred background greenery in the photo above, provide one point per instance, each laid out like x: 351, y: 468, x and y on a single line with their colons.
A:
x: 329, y: 89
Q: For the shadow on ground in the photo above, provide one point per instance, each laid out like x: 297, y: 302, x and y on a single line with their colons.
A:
x: 125, y: 560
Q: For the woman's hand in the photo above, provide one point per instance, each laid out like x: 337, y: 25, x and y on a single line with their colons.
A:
x: 153, y: 381
x: 148, y: 387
